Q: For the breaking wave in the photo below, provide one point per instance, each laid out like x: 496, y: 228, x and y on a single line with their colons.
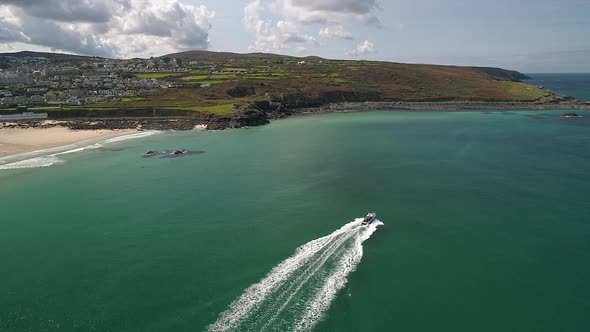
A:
x: 130, y: 136
x: 33, y: 163
x: 49, y: 157
x: 88, y: 147
x: 295, y: 295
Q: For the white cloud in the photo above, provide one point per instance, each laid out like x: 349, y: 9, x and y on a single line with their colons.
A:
x: 278, y: 23
x: 336, y: 32
x: 71, y: 10
x: 123, y: 28
x: 330, y: 11
x: 272, y: 36
x: 363, y: 48
x: 9, y: 30
x: 168, y: 24
x: 17, y: 27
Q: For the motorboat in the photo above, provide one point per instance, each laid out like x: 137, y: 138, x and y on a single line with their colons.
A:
x: 369, y: 218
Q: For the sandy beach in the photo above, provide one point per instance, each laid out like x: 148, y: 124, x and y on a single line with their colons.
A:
x: 16, y: 141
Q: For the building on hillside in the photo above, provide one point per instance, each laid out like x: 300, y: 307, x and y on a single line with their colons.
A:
x: 7, y: 101
x: 21, y: 100
x: 36, y: 99
x: 36, y: 90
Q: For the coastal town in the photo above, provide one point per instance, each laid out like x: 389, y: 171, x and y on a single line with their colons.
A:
x: 37, y: 81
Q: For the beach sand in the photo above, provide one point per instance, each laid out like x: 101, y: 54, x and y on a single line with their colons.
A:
x: 16, y: 141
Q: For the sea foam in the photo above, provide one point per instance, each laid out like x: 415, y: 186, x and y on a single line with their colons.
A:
x: 131, y: 136
x: 33, y: 163
x: 49, y: 157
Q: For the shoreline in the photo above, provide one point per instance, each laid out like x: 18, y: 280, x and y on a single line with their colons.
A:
x: 443, y: 106
x: 29, y: 142
x: 78, y: 129
x: 43, y: 141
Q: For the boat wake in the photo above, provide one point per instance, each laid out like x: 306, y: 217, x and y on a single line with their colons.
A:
x: 295, y: 295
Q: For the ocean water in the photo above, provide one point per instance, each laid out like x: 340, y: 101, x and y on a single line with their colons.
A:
x: 573, y: 85
x: 484, y: 226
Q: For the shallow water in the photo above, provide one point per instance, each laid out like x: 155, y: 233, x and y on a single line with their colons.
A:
x: 485, y: 226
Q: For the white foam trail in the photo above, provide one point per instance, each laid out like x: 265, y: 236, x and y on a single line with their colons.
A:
x: 335, y: 282
x: 262, y: 303
x: 304, y: 278
x: 256, y: 293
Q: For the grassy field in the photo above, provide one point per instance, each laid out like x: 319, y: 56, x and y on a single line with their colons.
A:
x: 222, y: 109
x: 196, y: 77
x: 157, y: 75
x: 180, y: 98
x: 132, y: 99
x: 339, y: 80
x: 523, y: 91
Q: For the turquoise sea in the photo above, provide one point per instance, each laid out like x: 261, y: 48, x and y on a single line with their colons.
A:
x: 484, y: 226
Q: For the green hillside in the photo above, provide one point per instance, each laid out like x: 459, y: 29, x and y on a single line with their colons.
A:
x: 299, y: 82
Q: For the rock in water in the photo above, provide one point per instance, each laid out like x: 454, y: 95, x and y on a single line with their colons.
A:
x: 571, y: 115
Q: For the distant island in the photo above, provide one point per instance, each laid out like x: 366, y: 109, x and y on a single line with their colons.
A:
x: 220, y: 90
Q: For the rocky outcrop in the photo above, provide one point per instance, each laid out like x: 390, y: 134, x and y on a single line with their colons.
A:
x: 218, y: 123
x: 249, y: 117
x: 444, y: 106
x: 557, y: 99
x: 571, y: 115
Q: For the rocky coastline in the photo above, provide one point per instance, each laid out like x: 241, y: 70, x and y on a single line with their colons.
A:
x: 261, y: 113
x: 446, y: 106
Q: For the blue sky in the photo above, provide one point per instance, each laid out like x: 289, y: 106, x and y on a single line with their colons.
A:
x: 526, y: 35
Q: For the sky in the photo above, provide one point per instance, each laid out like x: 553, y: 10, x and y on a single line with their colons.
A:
x: 526, y: 35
